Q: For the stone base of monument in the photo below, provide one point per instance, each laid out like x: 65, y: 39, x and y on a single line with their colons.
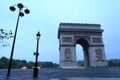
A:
x: 70, y: 65
x: 72, y: 68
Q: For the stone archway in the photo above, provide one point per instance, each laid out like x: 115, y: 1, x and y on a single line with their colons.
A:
x: 85, y: 44
x: 89, y: 36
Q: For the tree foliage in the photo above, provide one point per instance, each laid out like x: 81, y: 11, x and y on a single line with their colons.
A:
x: 4, y: 34
x: 23, y: 63
x: 4, y: 62
x: 114, y: 63
x: 48, y: 64
x: 111, y: 63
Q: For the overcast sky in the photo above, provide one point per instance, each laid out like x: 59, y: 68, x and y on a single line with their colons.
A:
x: 45, y: 16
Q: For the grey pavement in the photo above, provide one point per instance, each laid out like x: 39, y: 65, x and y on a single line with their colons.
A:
x: 60, y: 74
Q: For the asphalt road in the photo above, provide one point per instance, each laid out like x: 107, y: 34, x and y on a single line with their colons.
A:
x: 60, y: 74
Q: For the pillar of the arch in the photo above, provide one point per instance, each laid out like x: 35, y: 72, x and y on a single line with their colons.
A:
x: 86, y: 57
x: 97, y: 56
x: 68, y: 57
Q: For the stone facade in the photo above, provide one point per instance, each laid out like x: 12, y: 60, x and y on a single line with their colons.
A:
x: 89, y: 36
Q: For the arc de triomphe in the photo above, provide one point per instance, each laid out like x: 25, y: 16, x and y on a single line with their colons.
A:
x: 89, y: 36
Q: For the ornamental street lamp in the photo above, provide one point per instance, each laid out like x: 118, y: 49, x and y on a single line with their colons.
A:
x: 35, y: 71
x: 20, y: 14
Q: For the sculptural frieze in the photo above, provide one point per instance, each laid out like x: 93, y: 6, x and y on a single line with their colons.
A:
x: 67, y: 54
x: 67, y: 39
x: 97, y: 40
x: 84, y: 37
x: 99, y: 55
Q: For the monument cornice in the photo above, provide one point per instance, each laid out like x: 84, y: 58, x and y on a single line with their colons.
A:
x: 97, y: 45
x: 80, y: 30
x: 79, y: 24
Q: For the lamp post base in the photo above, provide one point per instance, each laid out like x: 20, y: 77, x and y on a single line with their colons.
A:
x: 35, y: 72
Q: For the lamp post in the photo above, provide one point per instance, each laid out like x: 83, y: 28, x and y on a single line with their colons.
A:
x: 20, y: 14
x: 35, y: 72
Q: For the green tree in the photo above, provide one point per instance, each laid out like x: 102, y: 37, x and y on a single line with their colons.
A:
x: 55, y: 65
x: 47, y: 64
x: 113, y: 63
x: 4, y: 62
x: 30, y: 64
x: 23, y: 63
x: 15, y: 63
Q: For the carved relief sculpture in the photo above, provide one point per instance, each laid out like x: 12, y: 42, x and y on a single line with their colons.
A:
x: 97, y: 40
x: 99, y: 54
x: 84, y: 37
x: 67, y: 53
x: 67, y: 39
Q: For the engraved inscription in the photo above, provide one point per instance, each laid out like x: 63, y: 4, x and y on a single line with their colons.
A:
x: 67, y: 39
x: 67, y: 54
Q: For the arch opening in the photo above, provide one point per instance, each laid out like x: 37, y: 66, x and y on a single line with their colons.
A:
x: 84, y: 43
x: 79, y: 55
